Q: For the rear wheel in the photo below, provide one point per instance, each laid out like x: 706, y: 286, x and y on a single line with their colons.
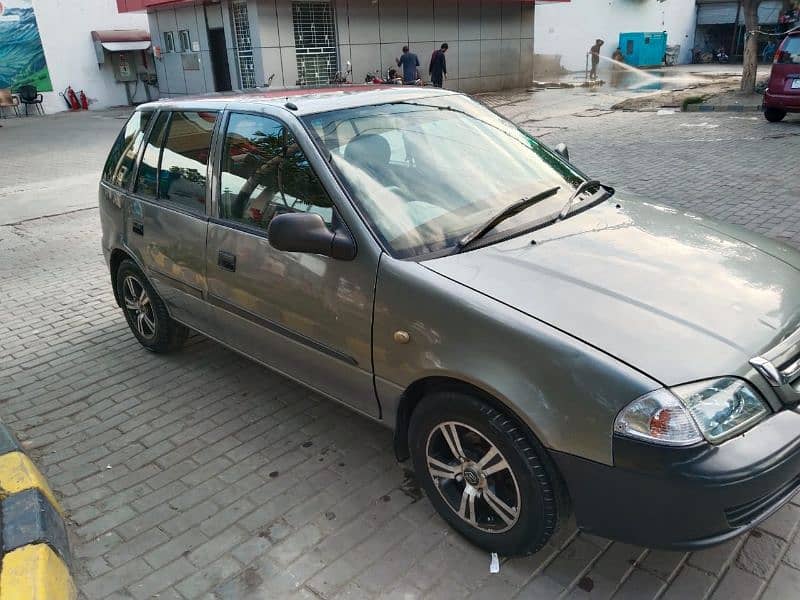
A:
x: 484, y: 475
x: 146, y: 312
x: 774, y: 115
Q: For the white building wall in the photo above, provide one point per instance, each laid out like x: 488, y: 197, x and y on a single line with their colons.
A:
x: 569, y: 30
x: 491, y: 41
x: 65, y: 27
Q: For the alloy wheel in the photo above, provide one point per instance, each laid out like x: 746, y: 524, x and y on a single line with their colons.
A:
x: 473, y: 477
x: 139, y: 307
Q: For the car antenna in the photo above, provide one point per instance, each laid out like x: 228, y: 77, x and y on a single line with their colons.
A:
x: 291, y: 105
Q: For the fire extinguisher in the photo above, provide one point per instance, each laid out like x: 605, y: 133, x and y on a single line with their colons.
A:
x: 84, y: 101
x: 73, y: 99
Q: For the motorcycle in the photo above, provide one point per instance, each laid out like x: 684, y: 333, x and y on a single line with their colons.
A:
x: 392, y: 77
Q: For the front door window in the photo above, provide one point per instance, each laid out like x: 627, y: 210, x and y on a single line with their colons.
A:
x: 265, y: 172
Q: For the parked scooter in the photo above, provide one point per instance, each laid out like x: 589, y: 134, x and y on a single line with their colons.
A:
x: 392, y: 77
x: 341, y: 78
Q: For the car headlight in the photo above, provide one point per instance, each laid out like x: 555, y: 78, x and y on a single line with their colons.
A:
x: 686, y: 414
x: 722, y: 407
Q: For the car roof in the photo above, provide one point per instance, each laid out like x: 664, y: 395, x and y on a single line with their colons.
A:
x: 304, y: 101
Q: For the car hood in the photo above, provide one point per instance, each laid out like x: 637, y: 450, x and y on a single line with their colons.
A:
x: 677, y: 296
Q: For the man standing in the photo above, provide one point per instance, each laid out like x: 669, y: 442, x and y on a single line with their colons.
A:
x: 409, y: 62
x: 595, y: 52
x: 438, y: 66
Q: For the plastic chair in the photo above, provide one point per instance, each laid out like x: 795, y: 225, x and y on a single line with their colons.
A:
x: 8, y: 99
x: 30, y: 96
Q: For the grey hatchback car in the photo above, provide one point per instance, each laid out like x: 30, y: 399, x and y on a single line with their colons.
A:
x: 540, y: 344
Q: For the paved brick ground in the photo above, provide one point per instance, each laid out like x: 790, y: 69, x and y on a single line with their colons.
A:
x: 203, y: 475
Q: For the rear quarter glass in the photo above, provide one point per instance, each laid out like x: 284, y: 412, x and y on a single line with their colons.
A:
x: 119, y: 164
x: 789, y: 53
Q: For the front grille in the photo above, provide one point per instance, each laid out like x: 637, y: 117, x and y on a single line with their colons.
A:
x: 790, y: 371
x: 744, y: 514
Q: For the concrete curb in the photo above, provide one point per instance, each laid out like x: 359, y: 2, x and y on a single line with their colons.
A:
x: 722, y: 108
x: 34, y: 549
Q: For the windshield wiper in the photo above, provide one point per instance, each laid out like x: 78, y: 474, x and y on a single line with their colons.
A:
x: 580, y: 189
x: 508, y: 212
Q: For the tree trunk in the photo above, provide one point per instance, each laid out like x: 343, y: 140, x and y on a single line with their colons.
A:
x: 750, y: 66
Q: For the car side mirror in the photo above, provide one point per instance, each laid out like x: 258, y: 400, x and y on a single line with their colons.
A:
x: 562, y: 151
x: 307, y: 233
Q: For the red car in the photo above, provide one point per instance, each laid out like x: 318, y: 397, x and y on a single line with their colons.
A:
x: 783, y: 93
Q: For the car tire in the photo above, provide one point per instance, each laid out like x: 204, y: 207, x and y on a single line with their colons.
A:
x: 146, y: 312
x: 774, y: 115
x: 465, y: 490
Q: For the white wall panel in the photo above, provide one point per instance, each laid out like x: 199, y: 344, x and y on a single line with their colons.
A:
x: 509, y: 57
x: 272, y: 63
x: 511, y: 20
x: 490, y: 20
x: 267, y: 24
x: 490, y: 58
x: 363, y: 22
x: 420, y: 21
x: 393, y: 22
x: 527, y: 20
x: 469, y: 54
x: 366, y: 58
x: 445, y: 24
x: 469, y: 20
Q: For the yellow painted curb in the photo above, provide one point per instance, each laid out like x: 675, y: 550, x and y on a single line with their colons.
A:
x: 18, y: 473
x: 35, y: 573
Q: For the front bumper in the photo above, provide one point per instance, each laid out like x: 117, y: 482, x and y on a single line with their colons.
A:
x: 687, y: 498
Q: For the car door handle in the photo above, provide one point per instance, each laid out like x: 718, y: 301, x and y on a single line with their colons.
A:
x: 138, y: 228
x: 226, y: 261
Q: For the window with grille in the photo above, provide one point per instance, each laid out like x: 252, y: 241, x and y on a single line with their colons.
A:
x: 315, y: 42
x: 244, y: 47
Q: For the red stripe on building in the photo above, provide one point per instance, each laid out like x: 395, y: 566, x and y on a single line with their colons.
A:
x: 139, y: 5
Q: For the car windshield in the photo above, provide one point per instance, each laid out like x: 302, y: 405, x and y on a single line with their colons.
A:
x: 429, y: 171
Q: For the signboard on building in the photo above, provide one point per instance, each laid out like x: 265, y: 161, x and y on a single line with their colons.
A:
x: 22, y: 58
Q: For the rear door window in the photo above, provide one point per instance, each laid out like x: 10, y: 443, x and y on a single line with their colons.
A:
x: 121, y: 161
x: 147, y: 178
x: 183, y: 163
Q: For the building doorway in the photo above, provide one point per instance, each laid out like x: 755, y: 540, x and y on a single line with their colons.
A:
x: 219, y: 59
